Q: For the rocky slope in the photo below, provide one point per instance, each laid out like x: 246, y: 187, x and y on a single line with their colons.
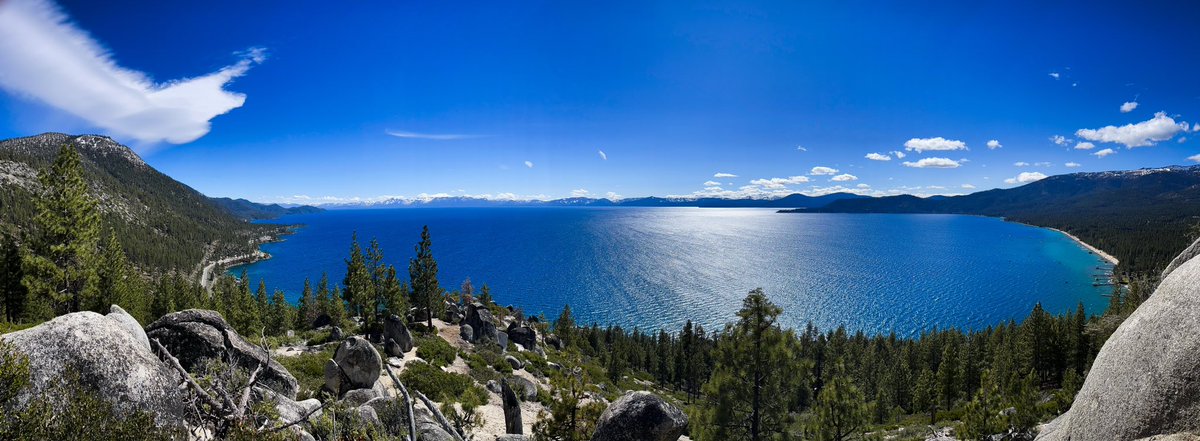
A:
x: 1146, y: 379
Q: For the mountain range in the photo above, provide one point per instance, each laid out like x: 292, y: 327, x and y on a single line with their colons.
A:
x: 166, y: 225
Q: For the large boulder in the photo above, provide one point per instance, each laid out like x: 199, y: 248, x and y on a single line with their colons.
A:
x: 428, y: 429
x: 640, y: 416
x: 130, y: 325
x: 482, y: 324
x: 512, y: 409
x: 526, y: 390
x: 1145, y: 381
x: 355, y: 365
x: 394, y: 330
x: 523, y: 335
x: 197, y: 336
x: 108, y: 359
x: 1186, y: 255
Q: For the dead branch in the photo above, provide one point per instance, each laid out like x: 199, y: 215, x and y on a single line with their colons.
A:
x: 187, y: 377
x: 437, y: 414
x: 302, y: 419
x: 412, y: 423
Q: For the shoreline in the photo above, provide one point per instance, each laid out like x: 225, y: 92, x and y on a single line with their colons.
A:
x: 1099, y: 252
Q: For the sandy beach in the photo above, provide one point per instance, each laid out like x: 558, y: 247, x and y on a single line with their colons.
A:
x: 1099, y: 252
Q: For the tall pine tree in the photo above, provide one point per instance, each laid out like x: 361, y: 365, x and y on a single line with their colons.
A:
x: 13, y: 294
x: 422, y: 272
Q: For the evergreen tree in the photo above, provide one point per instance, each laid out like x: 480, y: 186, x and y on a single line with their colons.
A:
x: 925, y: 395
x: 394, y: 299
x: 983, y: 414
x: 747, y: 397
x: 422, y: 272
x: 307, y: 307
x: 13, y: 294
x: 60, y: 268
x: 568, y: 419
x: 1081, y: 347
x: 947, y: 377
x: 358, y: 286
x: 377, y: 298
x: 116, y: 280
x: 282, y: 315
x: 840, y: 409
x: 564, y: 327
x: 485, y: 295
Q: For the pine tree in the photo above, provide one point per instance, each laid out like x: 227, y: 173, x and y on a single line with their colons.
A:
x: 358, y: 288
x: 13, y: 294
x: 841, y: 407
x: 116, y: 280
x: 925, y: 395
x: 60, y: 270
x: 1081, y: 349
x: 282, y: 315
x: 394, y: 300
x: 485, y: 295
x: 564, y: 327
x: 306, y: 307
x: 982, y: 416
x: 422, y: 272
x: 747, y: 395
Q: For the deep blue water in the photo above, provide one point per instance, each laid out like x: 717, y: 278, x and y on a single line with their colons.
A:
x: 657, y: 267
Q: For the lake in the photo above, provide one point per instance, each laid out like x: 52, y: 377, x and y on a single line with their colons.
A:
x: 658, y: 267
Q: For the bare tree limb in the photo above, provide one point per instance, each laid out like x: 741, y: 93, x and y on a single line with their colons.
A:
x: 437, y: 414
x: 187, y: 377
x: 302, y: 419
x: 412, y: 423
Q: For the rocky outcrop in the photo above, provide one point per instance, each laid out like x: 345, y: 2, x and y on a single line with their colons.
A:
x: 428, y: 429
x: 523, y: 335
x: 512, y: 409
x: 395, y: 331
x: 197, y: 336
x: 640, y: 416
x: 107, y: 357
x: 1145, y: 381
x: 483, y: 325
x: 1186, y: 255
x: 526, y: 390
x: 355, y: 365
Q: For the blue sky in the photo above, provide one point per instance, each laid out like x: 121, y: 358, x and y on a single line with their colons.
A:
x: 303, y: 101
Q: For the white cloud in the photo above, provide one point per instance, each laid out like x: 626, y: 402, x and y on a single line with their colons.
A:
x: 603, y: 155
x: 712, y: 184
x: 1105, y: 152
x: 968, y: 186
x: 863, y: 185
x: 1085, y: 146
x: 822, y: 171
x: 776, y: 183
x: 1060, y: 140
x: 993, y: 144
x: 1073, y: 165
x: 1021, y: 164
x: 1196, y: 127
x: 1025, y: 178
x: 1194, y: 158
x: 1055, y: 75
x: 612, y: 196
x: 1043, y: 164
x: 528, y: 164
x: 429, y: 136
x: 1128, y: 106
x: 878, y: 157
x: 579, y: 192
x: 846, y: 177
x: 47, y: 58
x: 899, y: 154
x: 1145, y: 133
x: 939, y: 144
x: 933, y: 163
x: 725, y: 175
x: 801, y: 148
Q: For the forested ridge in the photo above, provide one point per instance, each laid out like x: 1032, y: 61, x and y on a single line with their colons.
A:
x: 1142, y: 217
x: 161, y: 224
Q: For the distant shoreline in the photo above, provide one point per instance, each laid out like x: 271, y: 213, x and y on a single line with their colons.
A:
x: 1097, y: 251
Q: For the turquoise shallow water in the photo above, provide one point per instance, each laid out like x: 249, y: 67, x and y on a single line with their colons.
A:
x: 657, y: 267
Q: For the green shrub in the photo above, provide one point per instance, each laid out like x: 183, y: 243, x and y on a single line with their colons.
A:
x: 435, y: 350
x: 480, y: 370
x: 309, y: 369
x: 437, y: 384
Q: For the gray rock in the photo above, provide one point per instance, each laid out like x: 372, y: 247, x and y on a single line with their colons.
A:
x: 527, y: 391
x: 1145, y: 381
x: 512, y: 409
x: 289, y: 410
x: 493, y: 386
x: 130, y: 325
x: 513, y: 437
x: 393, y: 349
x: 1186, y: 255
x: 357, y: 366
x: 196, y: 336
x: 335, y: 334
x: 102, y: 351
x: 358, y: 397
x: 524, y: 336
x: 640, y: 416
x: 514, y: 362
x: 428, y: 428
x: 394, y: 329
x: 483, y: 325
x: 466, y: 332
x: 369, y: 416
x: 502, y: 340
x: 554, y: 342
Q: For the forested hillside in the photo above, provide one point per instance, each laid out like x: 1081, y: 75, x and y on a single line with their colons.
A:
x: 161, y: 223
x: 246, y: 210
x: 1143, y: 217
